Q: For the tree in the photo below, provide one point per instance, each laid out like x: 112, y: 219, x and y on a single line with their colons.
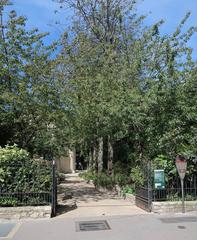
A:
x: 100, y: 84
x: 123, y: 79
x: 28, y: 94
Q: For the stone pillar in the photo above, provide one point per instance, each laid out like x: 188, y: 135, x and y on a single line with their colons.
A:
x: 72, y: 157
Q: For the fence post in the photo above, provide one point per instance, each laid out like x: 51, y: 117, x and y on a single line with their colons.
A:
x: 183, y: 195
x: 195, y: 186
x: 54, y: 190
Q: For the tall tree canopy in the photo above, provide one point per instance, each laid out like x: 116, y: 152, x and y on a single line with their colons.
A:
x: 125, y: 81
x: 28, y: 95
x: 119, y: 91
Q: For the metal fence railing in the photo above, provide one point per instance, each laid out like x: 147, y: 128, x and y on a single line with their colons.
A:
x: 147, y: 193
x: 172, y: 191
x: 26, y: 184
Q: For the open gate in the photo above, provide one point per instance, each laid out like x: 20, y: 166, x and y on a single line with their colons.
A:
x: 144, y: 192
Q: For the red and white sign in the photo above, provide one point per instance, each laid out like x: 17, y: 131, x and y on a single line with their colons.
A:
x: 181, y: 165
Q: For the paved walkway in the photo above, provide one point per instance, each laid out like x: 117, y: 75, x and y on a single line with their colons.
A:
x: 136, y: 227
x: 80, y: 199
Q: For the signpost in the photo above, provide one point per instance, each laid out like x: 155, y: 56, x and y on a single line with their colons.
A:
x: 181, y: 165
x: 159, y: 179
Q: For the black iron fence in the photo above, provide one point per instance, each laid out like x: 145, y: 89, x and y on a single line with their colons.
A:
x: 172, y: 191
x: 146, y: 192
x: 27, y: 184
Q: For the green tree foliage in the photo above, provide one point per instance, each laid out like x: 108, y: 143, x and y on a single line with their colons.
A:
x: 121, y: 92
x: 128, y: 83
x: 28, y: 94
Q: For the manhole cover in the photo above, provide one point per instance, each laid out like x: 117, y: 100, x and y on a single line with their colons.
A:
x: 6, y: 229
x: 92, y: 226
x: 179, y: 220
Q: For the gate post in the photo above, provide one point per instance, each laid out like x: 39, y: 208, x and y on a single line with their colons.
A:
x: 149, y: 175
x: 54, y: 190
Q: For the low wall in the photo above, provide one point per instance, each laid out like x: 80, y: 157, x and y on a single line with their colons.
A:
x: 173, y: 207
x: 25, y: 212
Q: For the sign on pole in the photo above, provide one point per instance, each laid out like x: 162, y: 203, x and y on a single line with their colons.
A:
x: 159, y: 179
x: 181, y: 165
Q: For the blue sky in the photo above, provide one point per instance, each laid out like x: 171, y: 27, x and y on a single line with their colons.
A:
x: 41, y: 14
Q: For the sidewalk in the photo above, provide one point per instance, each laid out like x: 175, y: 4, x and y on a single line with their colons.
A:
x: 80, y: 199
x: 136, y: 227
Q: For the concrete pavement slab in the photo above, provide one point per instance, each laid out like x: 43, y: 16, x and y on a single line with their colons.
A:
x: 138, y: 227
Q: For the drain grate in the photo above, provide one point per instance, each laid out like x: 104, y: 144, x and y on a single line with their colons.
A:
x: 92, y: 226
x: 6, y: 229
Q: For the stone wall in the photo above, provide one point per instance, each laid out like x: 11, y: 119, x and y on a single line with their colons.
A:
x: 173, y: 207
x: 25, y: 212
x: 67, y: 163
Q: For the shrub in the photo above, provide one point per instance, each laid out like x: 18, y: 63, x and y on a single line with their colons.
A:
x: 164, y: 162
x: 88, y: 175
x: 121, y: 179
x: 127, y: 189
x: 120, y: 168
x: 8, y: 202
x: 137, y: 176
x: 22, y: 179
x: 13, y: 155
x: 103, y: 180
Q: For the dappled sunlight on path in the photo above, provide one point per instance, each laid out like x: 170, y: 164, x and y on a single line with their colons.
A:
x: 76, y: 198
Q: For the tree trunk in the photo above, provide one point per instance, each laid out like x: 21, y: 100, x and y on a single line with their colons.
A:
x: 91, y: 158
x: 95, y: 158
x: 100, y: 155
x: 110, y: 157
x: 72, y: 158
